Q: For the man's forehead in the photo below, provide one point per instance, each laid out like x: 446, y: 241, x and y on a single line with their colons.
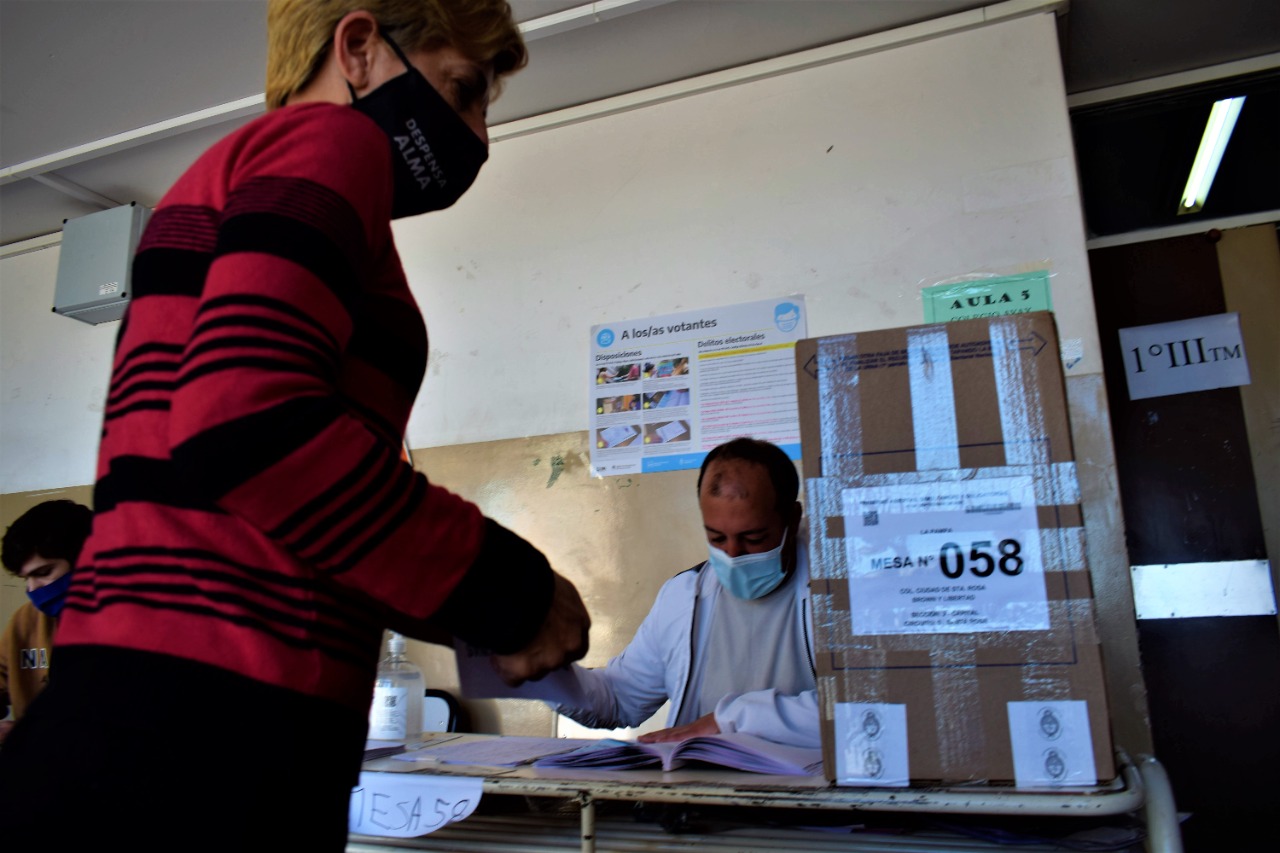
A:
x: 736, y: 529
x: 33, y: 564
x: 737, y: 478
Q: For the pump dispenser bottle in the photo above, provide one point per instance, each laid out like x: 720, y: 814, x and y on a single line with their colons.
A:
x: 396, y: 712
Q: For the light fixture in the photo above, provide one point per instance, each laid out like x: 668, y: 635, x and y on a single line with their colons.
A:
x: 1222, y: 120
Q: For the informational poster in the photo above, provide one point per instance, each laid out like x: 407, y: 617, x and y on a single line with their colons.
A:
x: 1199, y: 354
x: 945, y: 557
x: 666, y: 390
x: 987, y: 297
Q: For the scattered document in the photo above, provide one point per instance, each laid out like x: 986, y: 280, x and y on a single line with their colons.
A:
x: 507, y: 751
x: 381, y: 749
x: 477, y: 680
x: 734, y: 750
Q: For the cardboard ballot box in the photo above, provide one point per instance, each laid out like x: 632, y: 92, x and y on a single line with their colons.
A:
x: 953, y: 613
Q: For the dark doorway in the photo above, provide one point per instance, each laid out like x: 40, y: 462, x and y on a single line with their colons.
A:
x: 1187, y: 489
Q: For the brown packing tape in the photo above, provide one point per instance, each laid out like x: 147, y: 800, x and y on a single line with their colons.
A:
x: 1073, y: 585
x: 840, y: 596
x: 1060, y: 515
x: 807, y: 400
x: 887, y: 425
x: 978, y: 428
x: 908, y: 658
x: 923, y: 718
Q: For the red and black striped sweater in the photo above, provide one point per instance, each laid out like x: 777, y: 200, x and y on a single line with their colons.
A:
x: 253, y: 512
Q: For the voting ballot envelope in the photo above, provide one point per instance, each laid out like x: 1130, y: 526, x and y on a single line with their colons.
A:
x: 953, y: 612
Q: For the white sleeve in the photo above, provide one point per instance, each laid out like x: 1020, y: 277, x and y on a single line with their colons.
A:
x: 633, y: 685
x: 789, y: 719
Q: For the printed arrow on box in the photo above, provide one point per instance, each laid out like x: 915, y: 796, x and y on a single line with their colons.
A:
x: 1032, y: 339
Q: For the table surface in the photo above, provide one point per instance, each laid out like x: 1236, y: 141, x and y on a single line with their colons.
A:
x: 709, y: 785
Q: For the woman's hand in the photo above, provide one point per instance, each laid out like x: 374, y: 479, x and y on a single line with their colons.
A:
x: 560, y: 641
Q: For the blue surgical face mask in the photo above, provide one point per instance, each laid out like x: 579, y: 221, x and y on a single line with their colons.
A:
x: 749, y: 576
x: 49, y: 598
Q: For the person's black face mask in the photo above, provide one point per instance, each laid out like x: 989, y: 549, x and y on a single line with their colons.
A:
x: 435, y: 155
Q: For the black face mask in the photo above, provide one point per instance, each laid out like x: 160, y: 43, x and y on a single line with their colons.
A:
x: 435, y: 155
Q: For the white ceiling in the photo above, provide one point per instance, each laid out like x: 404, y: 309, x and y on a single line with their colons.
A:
x: 75, y: 72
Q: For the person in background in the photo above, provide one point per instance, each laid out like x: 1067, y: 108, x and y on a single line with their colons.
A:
x: 40, y: 548
x: 729, y: 641
x: 256, y: 528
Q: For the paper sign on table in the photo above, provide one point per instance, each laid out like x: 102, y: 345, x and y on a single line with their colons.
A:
x: 400, y: 805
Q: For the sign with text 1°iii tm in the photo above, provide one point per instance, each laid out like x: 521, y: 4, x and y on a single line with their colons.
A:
x: 1198, y: 354
x: 663, y: 391
x: 987, y: 297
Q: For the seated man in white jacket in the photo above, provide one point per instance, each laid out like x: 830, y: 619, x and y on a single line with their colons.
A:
x: 728, y: 642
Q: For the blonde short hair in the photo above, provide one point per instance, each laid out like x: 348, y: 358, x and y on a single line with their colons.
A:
x: 300, y: 34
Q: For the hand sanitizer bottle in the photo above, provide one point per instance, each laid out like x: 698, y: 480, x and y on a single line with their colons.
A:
x: 396, y: 712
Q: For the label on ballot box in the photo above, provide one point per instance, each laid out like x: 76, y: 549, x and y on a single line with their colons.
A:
x: 871, y: 744
x: 945, y: 557
x: 1051, y: 744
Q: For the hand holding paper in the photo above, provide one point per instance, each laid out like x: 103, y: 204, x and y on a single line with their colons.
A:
x: 562, y: 639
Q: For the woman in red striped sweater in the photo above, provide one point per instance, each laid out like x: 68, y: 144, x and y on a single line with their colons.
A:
x: 256, y: 528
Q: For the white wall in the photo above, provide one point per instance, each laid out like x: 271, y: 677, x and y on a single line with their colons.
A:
x: 53, y: 381
x: 946, y: 157
x: 854, y: 183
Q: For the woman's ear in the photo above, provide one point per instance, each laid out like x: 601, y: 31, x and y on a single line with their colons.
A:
x: 353, y: 47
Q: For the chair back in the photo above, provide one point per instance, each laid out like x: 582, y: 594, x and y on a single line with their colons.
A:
x: 439, y: 711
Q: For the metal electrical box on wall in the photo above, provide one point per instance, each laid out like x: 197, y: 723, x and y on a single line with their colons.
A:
x: 95, y: 263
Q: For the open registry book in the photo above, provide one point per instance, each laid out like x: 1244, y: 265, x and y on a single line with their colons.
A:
x: 734, y: 750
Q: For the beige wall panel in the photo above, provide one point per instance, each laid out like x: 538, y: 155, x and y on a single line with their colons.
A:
x: 1249, y: 262
x: 617, y: 538
x: 1109, y: 562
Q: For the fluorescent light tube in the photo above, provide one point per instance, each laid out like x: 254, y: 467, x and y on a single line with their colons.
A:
x: 1222, y: 120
